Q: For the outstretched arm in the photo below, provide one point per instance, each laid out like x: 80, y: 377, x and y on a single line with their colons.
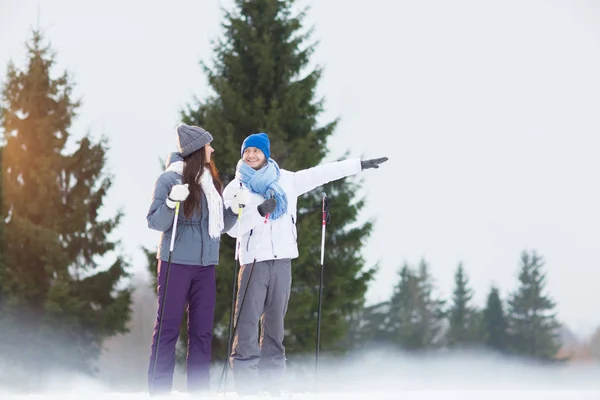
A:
x: 311, y: 178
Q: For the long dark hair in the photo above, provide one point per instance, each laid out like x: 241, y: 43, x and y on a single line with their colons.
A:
x: 193, y: 169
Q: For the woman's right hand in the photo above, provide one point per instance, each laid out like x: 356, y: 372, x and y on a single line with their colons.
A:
x: 178, y: 194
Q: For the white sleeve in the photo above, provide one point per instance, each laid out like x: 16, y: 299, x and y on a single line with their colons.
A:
x: 311, y: 178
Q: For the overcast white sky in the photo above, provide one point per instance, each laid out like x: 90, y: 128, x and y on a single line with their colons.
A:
x: 487, y: 110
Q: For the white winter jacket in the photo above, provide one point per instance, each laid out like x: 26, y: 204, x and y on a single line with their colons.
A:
x: 277, y: 239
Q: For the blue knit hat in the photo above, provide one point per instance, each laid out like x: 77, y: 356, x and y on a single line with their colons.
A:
x: 260, y: 141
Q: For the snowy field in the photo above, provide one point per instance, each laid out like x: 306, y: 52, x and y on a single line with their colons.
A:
x: 401, y: 395
x: 382, y: 375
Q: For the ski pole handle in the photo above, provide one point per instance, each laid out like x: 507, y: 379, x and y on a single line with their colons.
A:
x: 174, y: 226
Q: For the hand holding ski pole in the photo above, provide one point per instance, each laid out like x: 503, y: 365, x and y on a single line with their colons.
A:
x: 178, y: 194
x: 372, y: 163
x: 267, y: 207
x: 239, y: 201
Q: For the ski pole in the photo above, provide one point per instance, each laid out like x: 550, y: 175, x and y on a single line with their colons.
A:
x: 225, y: 369
x: 247, y: 283
x: 325, y: 218
x: 162, y: 306
x: 233, y: 292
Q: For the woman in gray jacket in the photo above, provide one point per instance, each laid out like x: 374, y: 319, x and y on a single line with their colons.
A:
x: 191, y: 179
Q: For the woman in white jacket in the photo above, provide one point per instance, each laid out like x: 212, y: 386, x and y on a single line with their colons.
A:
x: 267, y: 198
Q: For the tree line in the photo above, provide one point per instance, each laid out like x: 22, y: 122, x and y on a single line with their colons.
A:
x: 524, y: 324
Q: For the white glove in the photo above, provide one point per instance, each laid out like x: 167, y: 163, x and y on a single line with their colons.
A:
x: 239, y: 201
x: 178, y: 194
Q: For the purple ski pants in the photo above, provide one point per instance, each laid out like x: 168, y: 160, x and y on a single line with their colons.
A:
x: 191, y: 288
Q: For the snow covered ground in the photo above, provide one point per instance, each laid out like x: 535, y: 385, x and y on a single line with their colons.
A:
x: 382, y: 375
x: 400, y: 395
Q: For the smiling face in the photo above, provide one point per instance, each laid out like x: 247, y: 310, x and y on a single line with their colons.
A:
x: 254, y: 157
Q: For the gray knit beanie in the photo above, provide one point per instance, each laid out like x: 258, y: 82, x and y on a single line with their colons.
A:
x: 191, y: 138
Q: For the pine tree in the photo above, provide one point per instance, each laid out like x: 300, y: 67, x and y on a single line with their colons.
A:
x: 594, y: 345
x: 431, y: 308
x: 415, y: 318
x: 495, y: 323
x: 2, y: 218
x: 261, y: 83
x: 401, y: 324
x: 462, y: 316
x: 368, y: 325
x: 3, y: 325
x: 152, y: 266
x: 60, y: 301
x: 532, y: 320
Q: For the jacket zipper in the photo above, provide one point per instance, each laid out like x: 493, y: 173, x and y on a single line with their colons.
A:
x: 248, y: 242
x: 294, y: 223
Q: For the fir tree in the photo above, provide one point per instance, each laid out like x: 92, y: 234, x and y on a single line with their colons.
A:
x: 415, y: 316
x: 3, y: 322
x: 532, y: 320
x: 152, y: 267
x: 60, y: 301
x: 495, y: 323
x: 594, y: 345
x: 261, y: 83
x: 402, y: 318
x: 431, y: 308
x: 368, y: 325
x: 2, y: 218
x: 462, y: 316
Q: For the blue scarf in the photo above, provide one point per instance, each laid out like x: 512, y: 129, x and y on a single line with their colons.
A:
x: 263, y: 181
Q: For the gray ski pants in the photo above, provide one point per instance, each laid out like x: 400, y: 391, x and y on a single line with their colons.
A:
x: 267, y: 297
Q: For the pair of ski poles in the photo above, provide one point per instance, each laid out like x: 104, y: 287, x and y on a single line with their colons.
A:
x: 325, y: 219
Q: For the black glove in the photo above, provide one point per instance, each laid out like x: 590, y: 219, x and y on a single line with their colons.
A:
x: 267, y: 207
x: 373, y: 163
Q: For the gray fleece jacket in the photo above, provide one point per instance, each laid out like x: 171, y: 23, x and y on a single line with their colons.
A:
x: 193, y: 245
